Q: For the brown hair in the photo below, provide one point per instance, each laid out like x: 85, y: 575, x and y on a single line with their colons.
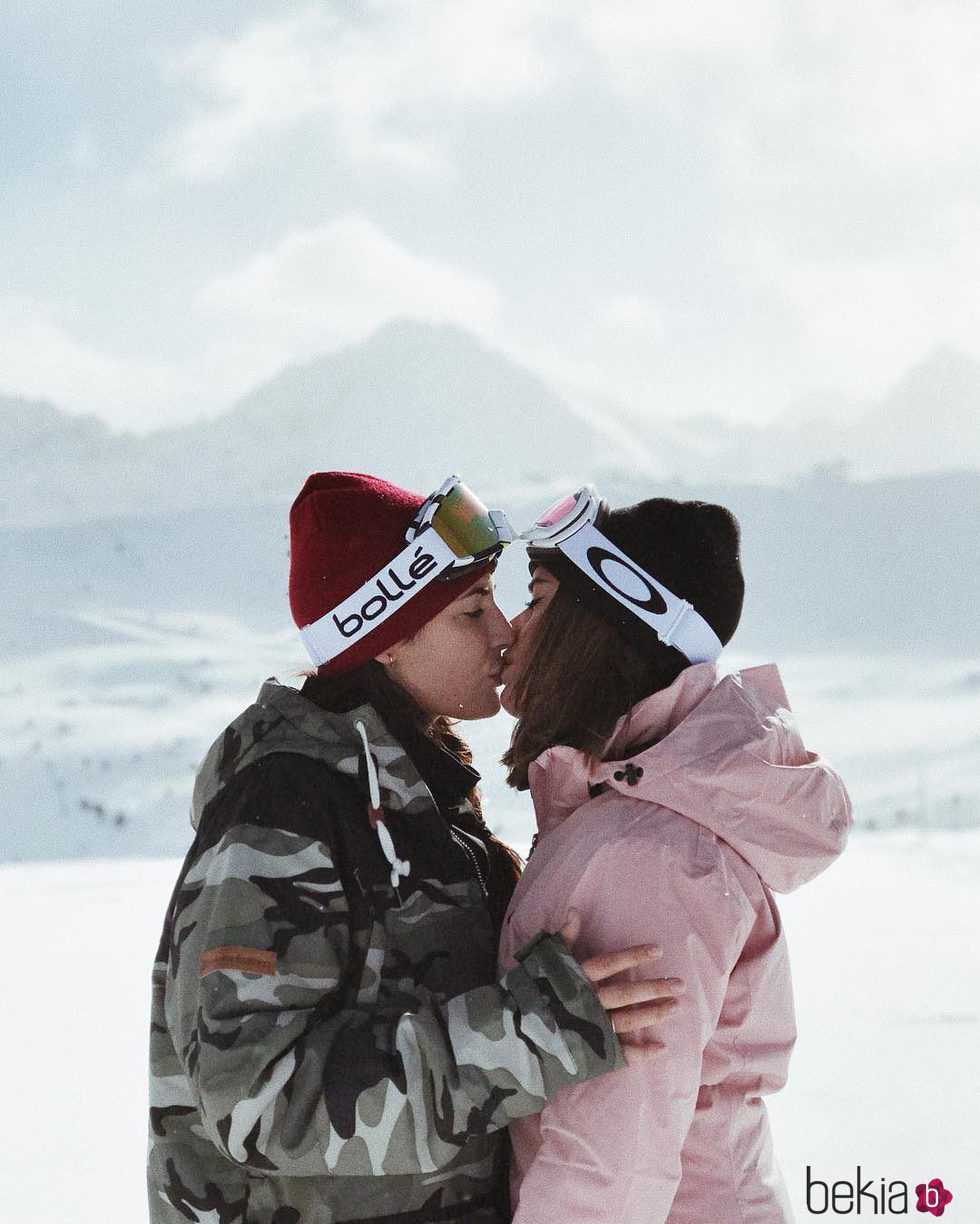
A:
x: 582, y: 677
x: 406, y: 720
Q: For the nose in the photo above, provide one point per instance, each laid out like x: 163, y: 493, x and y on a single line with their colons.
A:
x: 502, y: 634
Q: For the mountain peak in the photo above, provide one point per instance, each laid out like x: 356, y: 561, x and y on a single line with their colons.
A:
x: 34, y: 420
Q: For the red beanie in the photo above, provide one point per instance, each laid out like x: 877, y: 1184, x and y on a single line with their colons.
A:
x: 344, y: 527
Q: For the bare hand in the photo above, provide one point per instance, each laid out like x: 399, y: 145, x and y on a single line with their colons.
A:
x: 632, y: 1006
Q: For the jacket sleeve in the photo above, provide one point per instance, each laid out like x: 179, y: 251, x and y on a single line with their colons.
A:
x: 291, y: 1081
x: 610, y: 1149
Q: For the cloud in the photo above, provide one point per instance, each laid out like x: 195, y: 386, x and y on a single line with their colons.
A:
x: 859, y: 97
x: 775, y: 86
x: 864, y: 322
x: 707, y: 205
x: 909, y: 84
x: 632, y: 317
x: 635, y: 40
x: 312, y: 292
x: 319, y: 289
x: 83, y: 151
x: 355, y: 79
x: 40, y: 357
x: 385, y: 84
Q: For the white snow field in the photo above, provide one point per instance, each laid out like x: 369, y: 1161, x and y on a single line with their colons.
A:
x: 886, y: 963
x: 102, y: 731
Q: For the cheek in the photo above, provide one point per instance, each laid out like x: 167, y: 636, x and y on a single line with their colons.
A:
x: 456, y: 663
x: 454, y: 679
x: 525, y: 635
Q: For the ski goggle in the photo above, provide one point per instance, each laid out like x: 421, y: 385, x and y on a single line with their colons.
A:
x: 470, y: 531
x: 564, y: 517
x: 569, y: 527
x: 453, y: 534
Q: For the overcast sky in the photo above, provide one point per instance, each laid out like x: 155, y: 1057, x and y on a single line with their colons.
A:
x: 689, y: 207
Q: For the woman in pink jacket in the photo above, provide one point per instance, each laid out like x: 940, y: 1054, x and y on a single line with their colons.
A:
x: 670, y: 801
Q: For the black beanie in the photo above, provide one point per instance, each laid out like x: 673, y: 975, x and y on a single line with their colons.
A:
x: 690, y: 547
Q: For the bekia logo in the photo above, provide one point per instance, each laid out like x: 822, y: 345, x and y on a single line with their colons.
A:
x: 933, y: 1197
x: 864, y: 1197
x: 351, y: 624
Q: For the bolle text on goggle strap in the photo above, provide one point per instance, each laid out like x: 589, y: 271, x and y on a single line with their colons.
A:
x: 421, y: 561
x: 676, y: 622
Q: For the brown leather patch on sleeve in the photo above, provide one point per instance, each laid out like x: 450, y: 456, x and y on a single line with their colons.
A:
x: 245, y: 960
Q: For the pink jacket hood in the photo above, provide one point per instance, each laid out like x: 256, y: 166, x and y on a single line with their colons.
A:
x: 728, y: 756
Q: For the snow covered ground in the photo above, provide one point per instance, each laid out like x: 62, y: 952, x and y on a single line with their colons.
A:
x: 101, y: 734
x: 886, y: 965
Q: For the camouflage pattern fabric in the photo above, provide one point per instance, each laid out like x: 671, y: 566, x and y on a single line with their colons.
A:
x: 326, y: 1047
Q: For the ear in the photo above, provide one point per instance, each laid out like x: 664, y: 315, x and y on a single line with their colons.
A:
x: 389, y: 655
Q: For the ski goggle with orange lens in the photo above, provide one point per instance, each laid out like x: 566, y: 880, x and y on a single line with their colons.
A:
x: 471, y: 532
x: 569, y: 527
x: 453, y: 534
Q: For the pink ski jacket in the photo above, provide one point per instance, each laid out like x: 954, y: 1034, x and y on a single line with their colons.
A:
x: 679, y: 844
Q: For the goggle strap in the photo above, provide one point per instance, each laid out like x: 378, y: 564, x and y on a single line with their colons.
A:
x: 681, y: 625
x: 419, y: 563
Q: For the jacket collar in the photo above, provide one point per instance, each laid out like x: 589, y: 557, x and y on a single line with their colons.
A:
x: 725, y: 753
x: 411, y: 778
x: 448, y: 779
x: 562, y: 778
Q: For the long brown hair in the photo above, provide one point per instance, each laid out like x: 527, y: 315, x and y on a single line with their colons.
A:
x: 372, y: 684
x: 582, y: 677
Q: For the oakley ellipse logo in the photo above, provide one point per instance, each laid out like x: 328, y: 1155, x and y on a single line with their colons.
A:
x: 376, y: 605
x: 632, y: 584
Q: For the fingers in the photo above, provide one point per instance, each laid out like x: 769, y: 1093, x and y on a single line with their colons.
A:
x: 627, y: 994
x: 605, y: 964
x: 632, y: 1006
x: 628, y: 1019
x: 639, y: 1052
x: 572, y: 928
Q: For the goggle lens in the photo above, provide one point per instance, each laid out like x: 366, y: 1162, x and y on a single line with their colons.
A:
x: 464, y: 522
x: 560, y: 510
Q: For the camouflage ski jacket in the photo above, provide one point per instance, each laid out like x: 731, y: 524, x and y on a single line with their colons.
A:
x: 329, y: 1041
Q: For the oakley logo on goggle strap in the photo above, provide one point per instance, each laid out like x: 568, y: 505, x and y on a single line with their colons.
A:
x: 626, y: 580
x: 675, y: 621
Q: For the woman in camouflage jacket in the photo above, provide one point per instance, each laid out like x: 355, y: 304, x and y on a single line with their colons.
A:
x: 329, y: 1041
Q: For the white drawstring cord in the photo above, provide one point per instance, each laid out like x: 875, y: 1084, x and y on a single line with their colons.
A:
x: 373, y: 789
x: 399, y: 867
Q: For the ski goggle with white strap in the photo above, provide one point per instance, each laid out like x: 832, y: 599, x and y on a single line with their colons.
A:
x: 569, y: 527
x: 453, y: 534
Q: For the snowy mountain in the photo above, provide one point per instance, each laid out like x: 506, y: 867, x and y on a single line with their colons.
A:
x: 928, y: 423
x: 418, y: 401
x: 877, y: 566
